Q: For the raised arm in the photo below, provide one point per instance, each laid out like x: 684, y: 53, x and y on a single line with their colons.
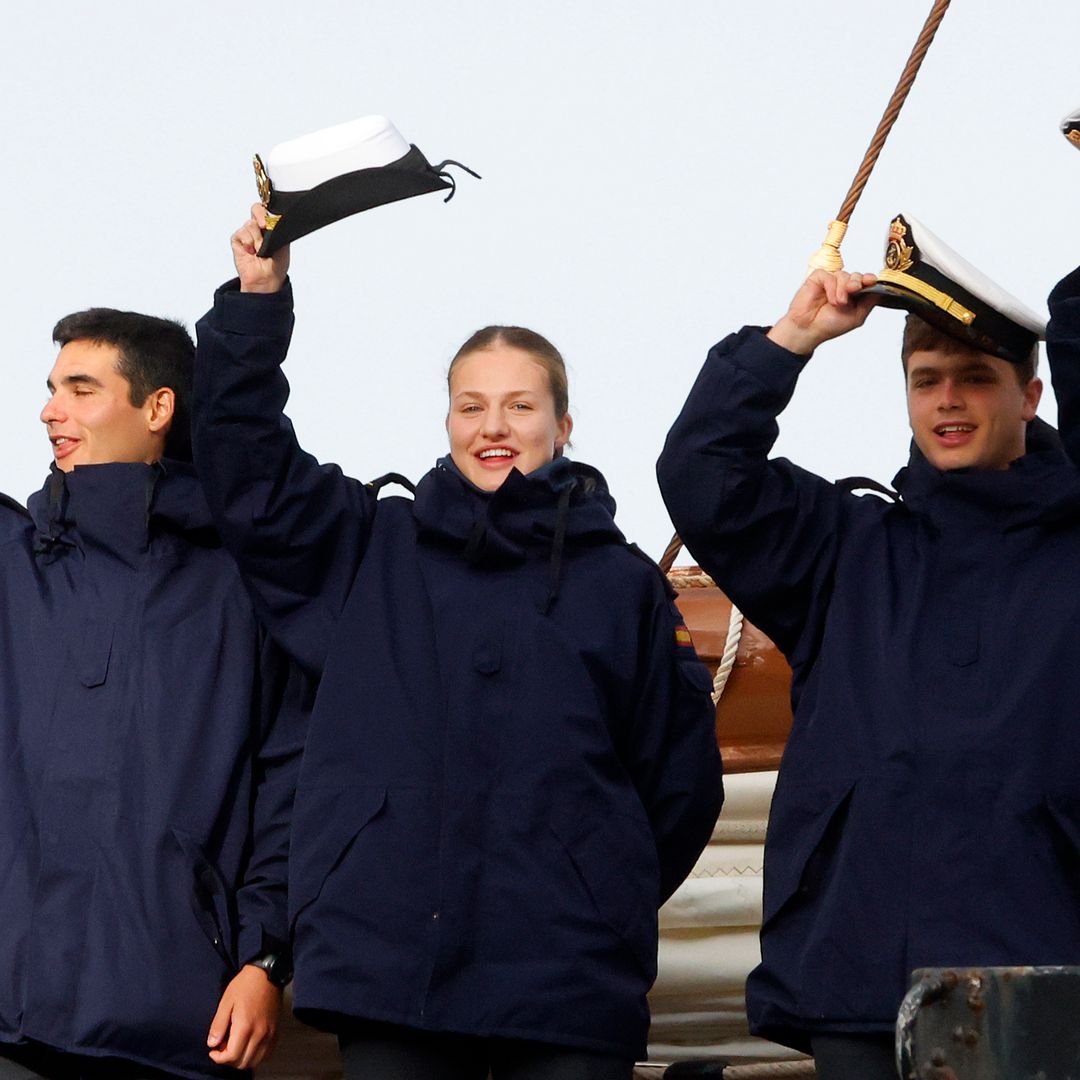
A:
x: 1063, y: 352
x: 296, y: 528
x: 764, y: 529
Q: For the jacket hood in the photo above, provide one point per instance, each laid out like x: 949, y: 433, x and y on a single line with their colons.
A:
x: 564, y: 503
x: 1041, y: 487
x: 119, y: 504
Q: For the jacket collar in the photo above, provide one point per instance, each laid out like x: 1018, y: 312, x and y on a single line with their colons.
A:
x: 562, y: 504
x: 1041, y: 487
x: 519, y: 515
x: 117, y: 506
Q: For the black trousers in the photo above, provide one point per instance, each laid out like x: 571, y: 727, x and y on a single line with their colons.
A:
x: 855, y: 1057
x: 373, y: 1051
x: 32, y: 1061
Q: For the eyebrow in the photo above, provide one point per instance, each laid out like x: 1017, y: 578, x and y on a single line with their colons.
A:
x: 70, y: 380
x: 975, y: 365
x: 505, y: 394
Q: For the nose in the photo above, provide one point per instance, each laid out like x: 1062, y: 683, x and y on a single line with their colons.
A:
x: 52, y: 413
x: 494, y: 425
x: 950, y: 396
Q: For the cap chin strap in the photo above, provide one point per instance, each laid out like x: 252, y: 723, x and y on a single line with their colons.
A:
x: 440, y: 171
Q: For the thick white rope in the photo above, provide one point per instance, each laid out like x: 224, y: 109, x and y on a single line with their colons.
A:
x: 731, y: 652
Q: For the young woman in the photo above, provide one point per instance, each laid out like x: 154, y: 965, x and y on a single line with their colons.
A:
x: 511, y: 762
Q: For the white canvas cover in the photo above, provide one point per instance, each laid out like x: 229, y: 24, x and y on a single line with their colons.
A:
x: 303, y: 163
x: 709, y: 939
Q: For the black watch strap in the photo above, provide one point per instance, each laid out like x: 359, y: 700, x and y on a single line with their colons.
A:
x: 277, y: 967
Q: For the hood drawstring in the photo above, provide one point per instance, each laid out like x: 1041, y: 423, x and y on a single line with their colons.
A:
x: 562, y: 516
x: 475, y: 544
x: 57, y: 505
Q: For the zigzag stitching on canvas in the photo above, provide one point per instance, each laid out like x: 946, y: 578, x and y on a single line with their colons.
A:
x: 727, y: 871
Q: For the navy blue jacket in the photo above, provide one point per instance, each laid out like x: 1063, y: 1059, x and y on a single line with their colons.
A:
x: 1063, y: 346
x: 511, y: 761
x: 928, y: 805
x: 150, y: 737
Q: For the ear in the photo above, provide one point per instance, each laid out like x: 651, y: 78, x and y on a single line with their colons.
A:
x: 160, y: 408
x: 562, y: 433
x: 1032, y: 396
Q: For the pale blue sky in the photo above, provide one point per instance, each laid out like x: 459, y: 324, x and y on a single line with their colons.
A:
x: 655, y: 175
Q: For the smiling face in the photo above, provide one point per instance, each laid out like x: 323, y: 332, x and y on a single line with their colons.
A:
x: 968, y: 409
x: 89, y: 415
x: 502, y: 415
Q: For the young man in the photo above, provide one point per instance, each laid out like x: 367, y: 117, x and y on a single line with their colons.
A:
x: 150, y: 741
x: 928, y: 806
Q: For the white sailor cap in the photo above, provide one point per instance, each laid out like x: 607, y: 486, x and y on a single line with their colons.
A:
x: 322, y: 177
x: 924, y: 275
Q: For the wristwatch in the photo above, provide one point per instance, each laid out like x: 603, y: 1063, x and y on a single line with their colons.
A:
x: 277, y: 967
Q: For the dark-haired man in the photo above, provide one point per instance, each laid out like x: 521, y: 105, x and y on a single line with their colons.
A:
x: 927, y: 811
x: 126, y: 379
x: 149, y: 740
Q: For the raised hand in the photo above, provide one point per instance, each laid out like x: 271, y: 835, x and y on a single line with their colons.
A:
x: 257, y: 275
x: 826, y: 306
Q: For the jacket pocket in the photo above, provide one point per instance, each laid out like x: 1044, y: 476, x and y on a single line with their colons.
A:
x: 212, y: 901
x: 802, y: 817
x: 1065, y: 813
x: 326, y: 822
x: 615, y: 859
x: 694, y: 675
x: 94, y: 652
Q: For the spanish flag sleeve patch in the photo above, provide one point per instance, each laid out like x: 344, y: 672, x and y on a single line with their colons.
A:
x: 682, y: 637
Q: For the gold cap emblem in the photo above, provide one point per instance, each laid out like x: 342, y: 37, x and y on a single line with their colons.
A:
x: 898, y: 252
x: 262, y: 180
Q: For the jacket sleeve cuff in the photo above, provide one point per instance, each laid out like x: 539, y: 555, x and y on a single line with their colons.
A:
x: 253, y: 314
x: 772, y: 365
x: 1068, y: 288
x: 255, y: 941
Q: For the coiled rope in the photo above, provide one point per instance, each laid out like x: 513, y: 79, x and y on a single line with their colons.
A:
x: 731, y: 653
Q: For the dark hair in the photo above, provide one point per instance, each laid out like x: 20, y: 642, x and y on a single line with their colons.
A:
x: 536, y: 345
x: 920, y: 336
x: 154, y: 353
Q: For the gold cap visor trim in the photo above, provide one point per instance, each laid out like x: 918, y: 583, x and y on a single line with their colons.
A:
x: 936, y: 297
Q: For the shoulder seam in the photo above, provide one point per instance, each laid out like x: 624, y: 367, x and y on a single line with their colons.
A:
x: 636, y: 551
x: 12, y: 504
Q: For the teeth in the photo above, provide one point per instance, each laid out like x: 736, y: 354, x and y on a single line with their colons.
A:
x: 954, y: 428
x: 495, y: 453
